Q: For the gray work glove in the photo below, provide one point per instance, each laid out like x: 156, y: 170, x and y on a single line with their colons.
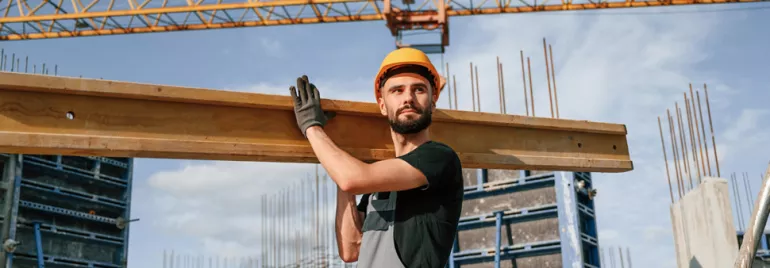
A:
x: 307, y: 105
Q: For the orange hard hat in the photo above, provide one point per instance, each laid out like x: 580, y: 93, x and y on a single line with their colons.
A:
x: 404, y: 57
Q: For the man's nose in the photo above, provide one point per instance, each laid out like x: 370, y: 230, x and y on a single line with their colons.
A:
x: 409, y: 96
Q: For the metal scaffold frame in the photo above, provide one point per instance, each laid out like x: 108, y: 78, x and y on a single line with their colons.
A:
x: 578, y: 242
x: 763, y: 247
x: 73, y: 202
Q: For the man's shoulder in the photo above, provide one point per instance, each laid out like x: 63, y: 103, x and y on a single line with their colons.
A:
x: 436, y: 147
x: 433, y: 154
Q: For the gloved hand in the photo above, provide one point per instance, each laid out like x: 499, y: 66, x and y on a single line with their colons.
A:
x: 307, y: 105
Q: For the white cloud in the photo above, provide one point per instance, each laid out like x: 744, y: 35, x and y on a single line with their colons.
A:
x: 272, y: 46
x: 219, y: 203
x: 748, y: 123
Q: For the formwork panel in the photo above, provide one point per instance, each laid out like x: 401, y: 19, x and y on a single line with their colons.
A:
x: 542, y: 261
x: 518, y: 200
x: 538, y: 219
x: 77, y: 207
x: 516, y: 233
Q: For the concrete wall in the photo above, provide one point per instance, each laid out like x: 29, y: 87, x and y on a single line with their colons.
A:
x: 704, y: 233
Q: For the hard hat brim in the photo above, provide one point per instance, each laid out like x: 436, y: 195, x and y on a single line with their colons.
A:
x: 438, y: 80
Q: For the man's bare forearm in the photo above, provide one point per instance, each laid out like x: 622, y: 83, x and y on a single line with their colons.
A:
x: 348, y: 224
x: 340, y: 165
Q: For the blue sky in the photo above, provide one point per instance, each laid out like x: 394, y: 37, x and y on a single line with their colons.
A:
x: 627, y: 67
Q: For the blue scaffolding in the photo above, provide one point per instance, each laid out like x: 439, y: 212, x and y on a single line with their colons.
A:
x: 564, y: 216
x: 65, y: 211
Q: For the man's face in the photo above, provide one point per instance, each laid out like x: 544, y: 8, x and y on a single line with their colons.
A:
x: 408, y: 103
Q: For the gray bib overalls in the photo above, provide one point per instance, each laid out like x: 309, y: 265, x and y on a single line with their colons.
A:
x: 378, y: 249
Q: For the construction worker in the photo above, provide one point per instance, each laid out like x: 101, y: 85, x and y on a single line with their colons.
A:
x: 410, y: 208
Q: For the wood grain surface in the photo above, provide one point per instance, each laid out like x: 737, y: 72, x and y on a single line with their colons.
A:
x: 72, y: 116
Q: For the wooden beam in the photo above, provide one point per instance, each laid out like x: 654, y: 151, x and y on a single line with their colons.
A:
x: 71, y: 116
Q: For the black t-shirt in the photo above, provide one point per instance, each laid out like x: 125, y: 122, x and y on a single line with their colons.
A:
x: 426, y: 217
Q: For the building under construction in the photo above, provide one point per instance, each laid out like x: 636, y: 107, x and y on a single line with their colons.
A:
x: 59, y: 210
x: 527, y: 219
x: 65, y: 211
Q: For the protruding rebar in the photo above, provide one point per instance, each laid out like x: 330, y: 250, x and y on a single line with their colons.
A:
x: 531, y: 94
x: 502, y: 88
x: 628, y: 255
x: 473, y: 90
x: 548, y: 77
x: 620, y: 253
x: 553, y: 77
x: 748, y: 192
x: 612, y: 257
x: 711, y: 126
x: 674, y: 153
x: 478, y: 89
x: 683, y: 144
x: 703, y: 131
x: 317, y: 208
x: 524, y: 81
x: 738, y: 203
x: 697, y: 131
x: 692, y: 137
x: 665, y: 160
x: 499, y: 85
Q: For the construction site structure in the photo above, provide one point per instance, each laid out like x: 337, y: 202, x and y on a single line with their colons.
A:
x: 527, y: 219
x: 702, y: 218
x: 562, y: 225
x: 60, y: 210
x: 65, y: 211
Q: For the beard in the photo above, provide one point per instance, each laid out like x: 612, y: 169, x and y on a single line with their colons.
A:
x: 411, y: 126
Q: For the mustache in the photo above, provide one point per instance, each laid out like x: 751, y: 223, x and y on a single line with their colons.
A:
x: 418, y: 111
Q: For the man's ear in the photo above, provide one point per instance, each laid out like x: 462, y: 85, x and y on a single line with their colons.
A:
x: 381, y: 104
x: 434, y: 100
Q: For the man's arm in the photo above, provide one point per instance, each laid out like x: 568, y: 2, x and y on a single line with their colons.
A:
x: 356, y: 177
x: 348, y: 224
x: 350, y: 174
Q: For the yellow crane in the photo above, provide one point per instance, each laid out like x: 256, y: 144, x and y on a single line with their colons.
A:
x: 42, y: 19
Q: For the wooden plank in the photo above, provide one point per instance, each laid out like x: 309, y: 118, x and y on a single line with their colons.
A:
x: 123, y: 119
